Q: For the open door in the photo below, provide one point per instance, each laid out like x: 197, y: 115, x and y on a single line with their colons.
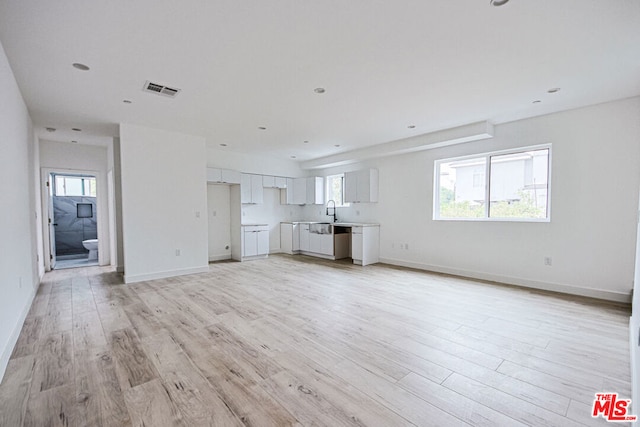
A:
x: 52, y: 225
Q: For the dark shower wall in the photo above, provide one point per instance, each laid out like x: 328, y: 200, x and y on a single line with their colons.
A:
x: 71, y: 230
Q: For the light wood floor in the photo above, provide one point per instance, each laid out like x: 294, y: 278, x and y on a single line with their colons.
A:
x: 300, y: 341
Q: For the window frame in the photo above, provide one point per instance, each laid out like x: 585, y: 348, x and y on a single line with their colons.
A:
x: 487, y: 196
x: 341, y: 203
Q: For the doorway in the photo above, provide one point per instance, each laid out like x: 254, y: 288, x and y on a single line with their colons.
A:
x: 71, y: 219
x: 219, y: 221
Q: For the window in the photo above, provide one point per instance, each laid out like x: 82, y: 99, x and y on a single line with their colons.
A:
x: 335, y: 189
x: 69, y: 185
x: 515, y: 183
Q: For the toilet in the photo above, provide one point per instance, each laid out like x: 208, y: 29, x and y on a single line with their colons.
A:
x: 92, y: 246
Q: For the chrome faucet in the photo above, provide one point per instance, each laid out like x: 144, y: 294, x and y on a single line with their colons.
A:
x: 335, y: 218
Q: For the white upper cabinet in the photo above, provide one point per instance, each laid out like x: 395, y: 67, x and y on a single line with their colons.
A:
x: 315, y: 190
x: 305, y: 191
x: 223, y: 176
x: 361, y: 186
x: 251, y: 190
x: 274, y: 182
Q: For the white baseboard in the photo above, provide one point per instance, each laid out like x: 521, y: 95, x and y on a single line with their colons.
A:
x: 219, y: 257
x: 15, y: 334
x: 516, y: 281
x: 164, y: 274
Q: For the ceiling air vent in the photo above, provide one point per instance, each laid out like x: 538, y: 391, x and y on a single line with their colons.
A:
x: 160, y: 89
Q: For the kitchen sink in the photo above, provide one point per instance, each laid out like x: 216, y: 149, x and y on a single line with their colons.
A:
x: 320, y: 228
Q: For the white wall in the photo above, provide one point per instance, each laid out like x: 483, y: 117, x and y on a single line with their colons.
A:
x: 594, y: 200
x: 115, y: 204
x: 19, y: 268
x: 62, y: 156
x: 163, y: 192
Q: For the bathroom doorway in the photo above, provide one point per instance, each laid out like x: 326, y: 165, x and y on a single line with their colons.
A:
x: 72, y: 219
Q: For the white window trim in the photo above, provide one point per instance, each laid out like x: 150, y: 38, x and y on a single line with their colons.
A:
x: 487, y: 156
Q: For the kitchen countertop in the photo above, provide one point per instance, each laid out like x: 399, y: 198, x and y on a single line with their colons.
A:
x: 253, y: 225
x: 339, y: 224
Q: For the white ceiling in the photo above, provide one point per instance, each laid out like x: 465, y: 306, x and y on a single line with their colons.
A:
x: 385, y: 64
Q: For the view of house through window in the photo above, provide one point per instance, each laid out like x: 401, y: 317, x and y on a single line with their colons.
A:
x: 335, y: 189
x: 515, y: 183
x: 73, y: 185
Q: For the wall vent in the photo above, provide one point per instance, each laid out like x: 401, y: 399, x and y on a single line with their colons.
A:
x: 160, y: 89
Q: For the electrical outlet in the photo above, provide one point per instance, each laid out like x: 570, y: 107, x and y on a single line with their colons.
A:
x: 406, y: 246
x: 177, y: 252
x: 547, y: 260
x: 214, y: 213
x: 197, y: 214
x: 357, y: 213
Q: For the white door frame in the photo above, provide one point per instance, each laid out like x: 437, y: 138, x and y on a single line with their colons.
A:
x: 44, y: 177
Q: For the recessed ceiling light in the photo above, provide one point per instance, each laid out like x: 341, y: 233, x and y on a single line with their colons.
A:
x: 537, y: 101
x: 337, y: 145
x: 75, y: 142
x: 306, y: 142
x: 127, y: 101
x: 76, y: 129
x: 319, y: 90
x: 223, y: 145
x: 293, y: 157
x: 262, y: 128
x: 411, y: 126
x: 80, y: 66
x: 554, y: 90
x: 498, y: 2
x: 51, y: 129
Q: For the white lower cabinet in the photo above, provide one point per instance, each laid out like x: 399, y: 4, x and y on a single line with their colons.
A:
x: 290, y: 238
x: 255, y: 241
x: 304, y: 237
x: 365, y: 244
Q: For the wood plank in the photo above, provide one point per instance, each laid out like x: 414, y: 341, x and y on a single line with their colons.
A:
x: 14, y: 390
x: 29, y: 336
x: 507, y: 404
x: 87, y: 330
x: 462, y: 407
x: 112, y: 317
x: 132, y: 364
x: 150, y: 405
x: 98, y: 393
x: 54, y: 363
x: 52, y: 408
x: 186, y: 386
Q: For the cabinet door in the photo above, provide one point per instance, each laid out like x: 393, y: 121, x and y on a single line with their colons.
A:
x: 362, y: 186
x: 245, y: 188
x: 299, y: 191
x: 356, y: 243
x: 286, y: 238
x: 250, y: 247
x: 263, y: 242
x: 315, y: 243
x: 304, y: 237
x: 351, y: 187
x: 326, y: 244
x: 257, y: 191
x: 296, y: 237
